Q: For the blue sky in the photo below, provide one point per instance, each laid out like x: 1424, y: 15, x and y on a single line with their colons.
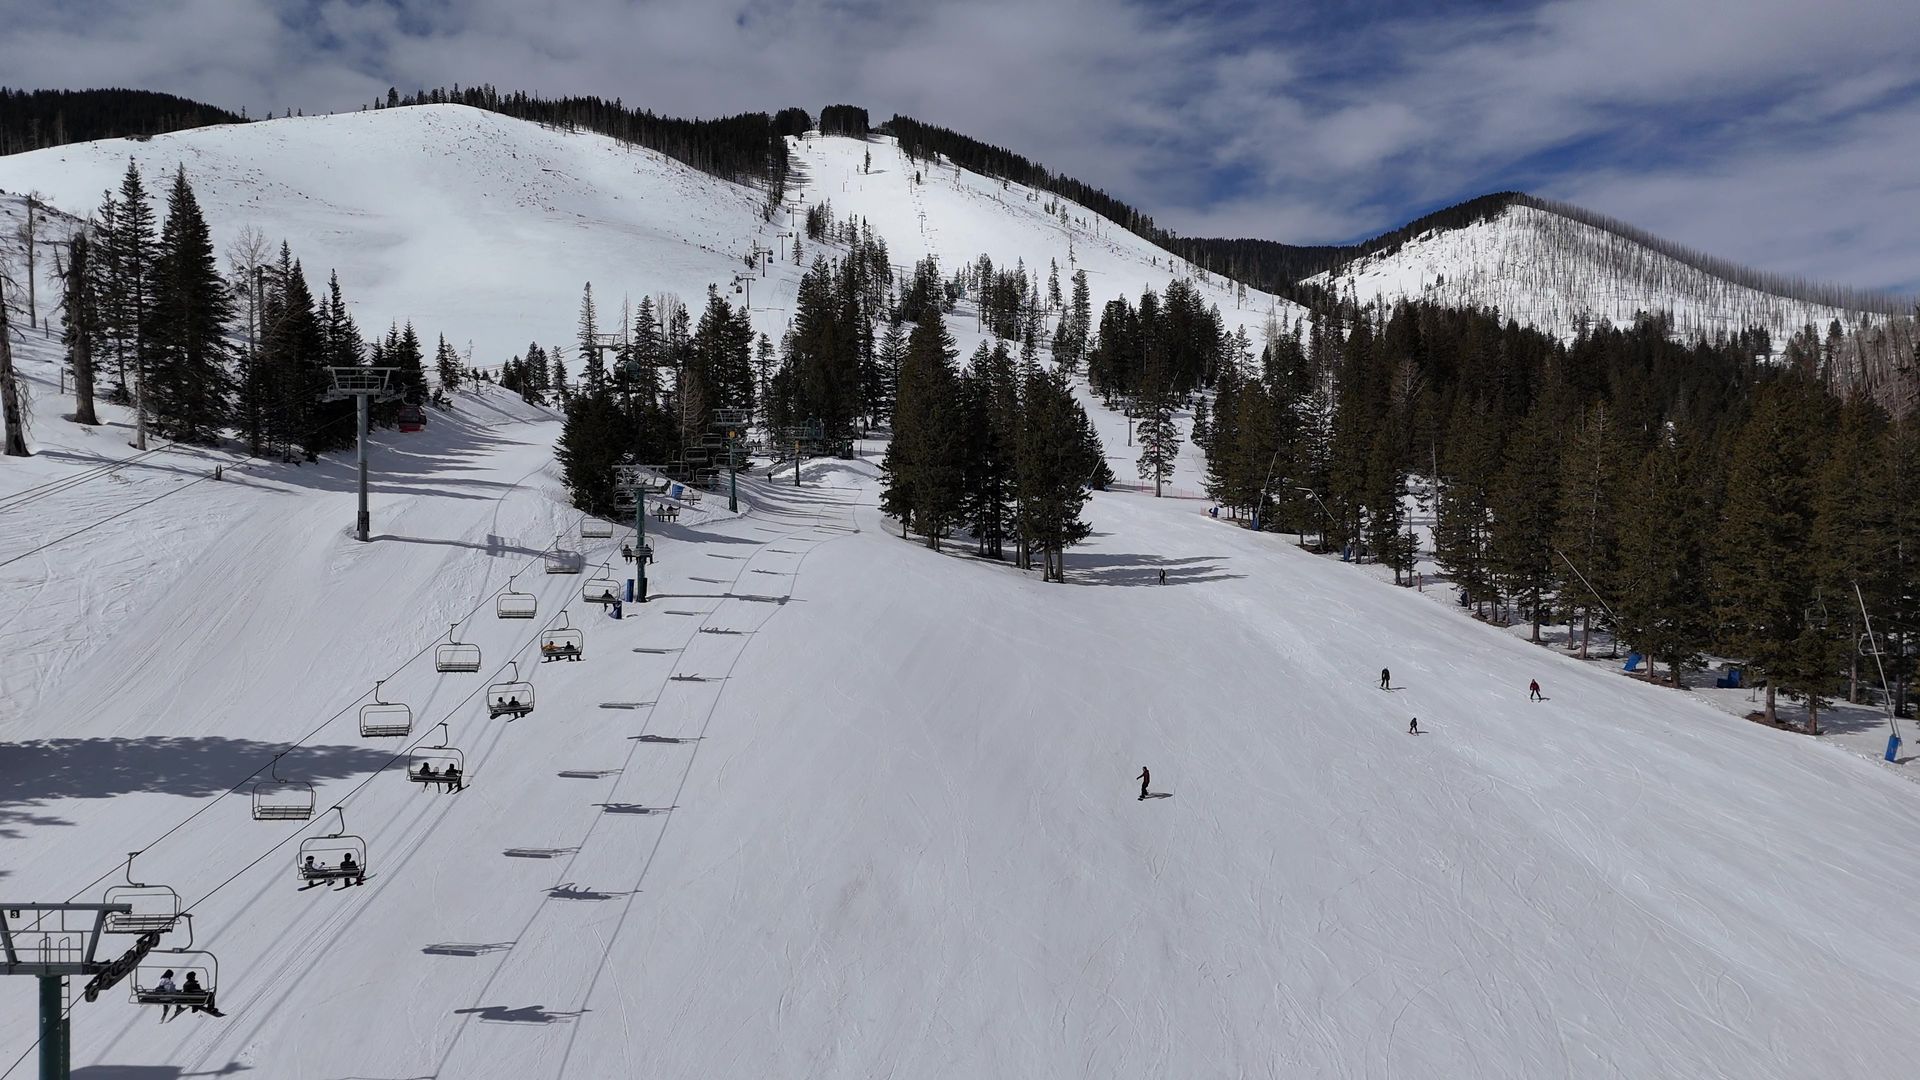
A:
x: 1781, y: 134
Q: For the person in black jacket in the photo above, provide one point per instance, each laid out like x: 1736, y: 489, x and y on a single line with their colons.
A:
x: 1145, y: 778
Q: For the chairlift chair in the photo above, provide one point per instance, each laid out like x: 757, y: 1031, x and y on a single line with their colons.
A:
x: 561, y: 641
x: 602, y: 588
x: 156, y: 908
x: 453, y: 655
x: 385, y: 719
x: 330, y: 855
x: 515, y: 605
x: 512, y: 697
x: 596, y: 529
x: 280, y: 799
x: 412, y: 418
x: 185, y: 966
x: 430, y: 764
x: 562, y: 561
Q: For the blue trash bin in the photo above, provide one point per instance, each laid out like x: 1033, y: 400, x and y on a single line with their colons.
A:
x: 629, y: 590
x: 1893, y: 747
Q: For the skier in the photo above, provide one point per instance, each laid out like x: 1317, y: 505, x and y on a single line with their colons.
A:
x: 452, y: 777
x: 1385, y: 679
x: 1533, y: 691
x: 1145, y: 777
x: 615, y: 611
x: 1413, y: 726
x: 192, y: 986
x: 1163, y: 577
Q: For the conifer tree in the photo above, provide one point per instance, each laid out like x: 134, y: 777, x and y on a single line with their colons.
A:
x: 1765, y: 593
x: 446, y: 365
x: 1524, y: 499
x: 1664, y: 606
x: 1848, y: 532
x: 921, y: 471
x: 593, y: 370
x: 82, y: 325
x: 184, y: 346
x: 1586, y: 519
x: 596, y: 436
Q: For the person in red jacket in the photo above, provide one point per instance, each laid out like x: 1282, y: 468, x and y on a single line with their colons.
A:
x: 1145, y: 777
x: 1533, y: 691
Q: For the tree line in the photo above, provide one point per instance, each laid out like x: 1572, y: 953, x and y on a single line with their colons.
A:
x: 1687, y: 498
x: 37, y: 119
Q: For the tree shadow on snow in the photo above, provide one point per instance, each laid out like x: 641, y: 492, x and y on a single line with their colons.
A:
x: 33, y: 773
x: 1133, y: 570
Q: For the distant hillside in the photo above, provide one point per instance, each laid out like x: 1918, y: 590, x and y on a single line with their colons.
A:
x: 37, y: 119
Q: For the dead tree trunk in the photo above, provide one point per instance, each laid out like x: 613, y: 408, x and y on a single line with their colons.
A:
x: 10, y: 396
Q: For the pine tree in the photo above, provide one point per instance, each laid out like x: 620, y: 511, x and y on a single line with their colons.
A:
x: 921, y: 471
x: 1763, y: 583
x: 1056, y: 457
x: 184, y: 349
x: 1664, y: 607
x: 1848, y: 534
x: 82, y: 325
x: 127, y: 240
x: 1586, y: 525
x: 1524, y: 499
x: 446, y: 365
x: 893, y: 349
x: 643, y: 354
x: 596, y: 436
x: 594, y: 370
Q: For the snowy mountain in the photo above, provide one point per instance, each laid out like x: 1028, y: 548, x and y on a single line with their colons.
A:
x: 1555, y: 268
x: 485, y: 228
x: 831, y: 804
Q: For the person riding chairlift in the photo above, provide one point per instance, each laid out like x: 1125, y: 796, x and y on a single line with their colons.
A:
x: 451, y: 777
x: 351, y: 872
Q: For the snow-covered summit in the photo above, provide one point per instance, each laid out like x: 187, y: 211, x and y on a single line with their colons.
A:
x: 1551, y: 271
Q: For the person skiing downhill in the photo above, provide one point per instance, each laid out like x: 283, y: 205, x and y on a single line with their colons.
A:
x: 1163, y: 577
x: 1145, y: 778
x: 1386, y: 678
x: 1413, y: 726
x: 1533, y: 691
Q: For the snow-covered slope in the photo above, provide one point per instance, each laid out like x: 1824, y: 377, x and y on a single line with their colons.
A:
x: 1552, y: 272
x: 834, y: 805
x: 466, y: 222
x: 485, y: 228
x: 957, y: 216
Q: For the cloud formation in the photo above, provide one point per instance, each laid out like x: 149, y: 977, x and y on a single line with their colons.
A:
x: 1774, y: 132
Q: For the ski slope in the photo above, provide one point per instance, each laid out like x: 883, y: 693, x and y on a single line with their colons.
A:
x: 1554, y: 273
x: 872, y: 813
x: 485, y: 228
x: 957, y: 215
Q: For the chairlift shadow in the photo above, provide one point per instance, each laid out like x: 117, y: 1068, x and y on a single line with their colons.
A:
x: 587, y: 774
x: 538, y: 852
x: 525, y: 1014
x: 571, y: 891
x: 632, y: 808
x: 664, y: 739
x: 459, y: 948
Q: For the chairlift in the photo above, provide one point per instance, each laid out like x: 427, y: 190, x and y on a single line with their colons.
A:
x: 513, y: 697
x: 561, y: 641
x: 186, y: 977
x: 280, y: 799
x: 336, y: 856
x: 515, y: 605
x: 596, y: 529
x: 454, y: 655
x: 440, y: 765
x: 562, y: 561
x: 156, y: 908
x: 602, y: 588
x: 385, y: 719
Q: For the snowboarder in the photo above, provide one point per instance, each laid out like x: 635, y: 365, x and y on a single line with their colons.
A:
x: 615, y: 611
x: 1533, y: 691
x: 1386, y: 678
x: 1413, y: 726
x: 350, y: 872
x: 1145, y: 778
x: 452, y: 777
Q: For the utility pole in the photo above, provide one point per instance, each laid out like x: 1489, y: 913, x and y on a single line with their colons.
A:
x: 363, y: 384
